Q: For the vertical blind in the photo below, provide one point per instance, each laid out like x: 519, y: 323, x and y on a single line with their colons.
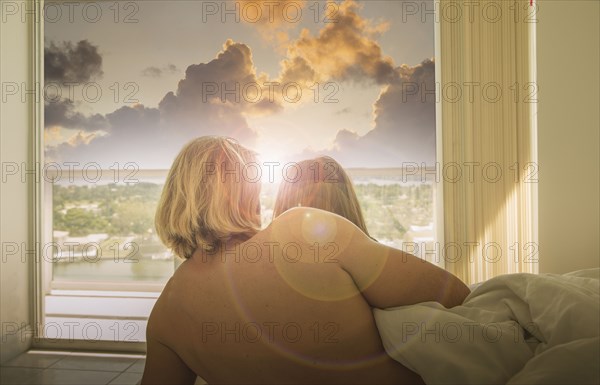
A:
x: 489, y: 167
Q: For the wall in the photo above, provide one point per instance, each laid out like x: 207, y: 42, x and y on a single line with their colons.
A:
x: 15, y: 127
x: 568, y: 43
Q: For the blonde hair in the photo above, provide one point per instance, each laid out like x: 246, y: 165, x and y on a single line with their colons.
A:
x: 323, y: 184
x: 208, y: 197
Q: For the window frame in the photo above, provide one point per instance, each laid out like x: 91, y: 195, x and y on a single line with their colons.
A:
x: 49, y: 283
x: 41, y: 194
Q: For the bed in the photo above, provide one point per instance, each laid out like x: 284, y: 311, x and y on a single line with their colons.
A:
x: 511, y: 329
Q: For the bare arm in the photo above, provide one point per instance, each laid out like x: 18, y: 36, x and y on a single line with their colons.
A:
x: 163, y: 365
x: 388, y: 277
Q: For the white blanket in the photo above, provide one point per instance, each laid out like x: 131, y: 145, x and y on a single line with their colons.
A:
x: 515, y: 328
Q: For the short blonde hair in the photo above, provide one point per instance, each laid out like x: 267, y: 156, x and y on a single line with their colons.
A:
x: 207, y: 197
x: 321, y: 183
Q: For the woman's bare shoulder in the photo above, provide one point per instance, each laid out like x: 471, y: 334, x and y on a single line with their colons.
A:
x: 307, y: 224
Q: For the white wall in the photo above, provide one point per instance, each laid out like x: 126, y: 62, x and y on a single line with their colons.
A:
x: 15, y: 127
x: 568, y: 44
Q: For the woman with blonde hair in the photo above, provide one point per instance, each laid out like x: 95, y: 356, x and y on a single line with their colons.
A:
x: 322, y: 183
x: 200, y: 206
x: 288, y: 304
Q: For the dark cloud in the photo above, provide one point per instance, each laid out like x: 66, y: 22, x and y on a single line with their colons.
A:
x: 156, y: 72
x: 404, y: 124
x: 217, y: 95
x: 62, y: 114
x: 125, y: 118
x: 135, y: 136
x: 152, y: 72
x: 68, y: 62
x: 151, y: 137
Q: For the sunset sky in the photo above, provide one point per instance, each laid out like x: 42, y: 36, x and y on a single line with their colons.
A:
x: 157, y: 72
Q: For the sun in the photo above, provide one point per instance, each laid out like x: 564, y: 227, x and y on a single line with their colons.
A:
x: 272, y: 160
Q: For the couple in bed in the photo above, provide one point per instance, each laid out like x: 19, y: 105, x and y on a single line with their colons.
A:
x: 292, y: 303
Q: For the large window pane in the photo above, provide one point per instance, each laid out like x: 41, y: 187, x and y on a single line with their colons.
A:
x: 106, y: 233
x: 127, y: 83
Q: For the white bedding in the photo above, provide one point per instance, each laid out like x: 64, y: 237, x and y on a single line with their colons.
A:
x: 515, y: 329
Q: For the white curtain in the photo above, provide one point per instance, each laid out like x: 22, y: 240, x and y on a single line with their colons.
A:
x: 489, y: 98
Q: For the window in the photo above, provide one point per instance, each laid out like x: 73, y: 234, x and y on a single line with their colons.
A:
x: 103, y: 232
x: 127, y: 83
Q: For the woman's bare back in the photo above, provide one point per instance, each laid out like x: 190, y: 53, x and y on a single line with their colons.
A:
x: 282, y: 307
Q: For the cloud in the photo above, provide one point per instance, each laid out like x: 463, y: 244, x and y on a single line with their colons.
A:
x: 151, y: 137
x: 212, y: 99
x: 145, y: 119
x: 404, y: 117
x: 81, y: 138
x: 68, y: 62
x: 152, y: 72
x: 156, y: 72
x: 134, y: 135
x: 273, y: 19
x: 345, y: 49
x: 62, y: 114
x: 219, y: 94
x: 71, y: 63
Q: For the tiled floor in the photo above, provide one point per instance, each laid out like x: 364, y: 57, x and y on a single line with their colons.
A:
x: 37, y: 367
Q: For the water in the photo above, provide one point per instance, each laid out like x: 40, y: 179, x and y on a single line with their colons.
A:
x: 108, y: 270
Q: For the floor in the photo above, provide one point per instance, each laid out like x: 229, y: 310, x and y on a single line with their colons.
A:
x: 44, y: 367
